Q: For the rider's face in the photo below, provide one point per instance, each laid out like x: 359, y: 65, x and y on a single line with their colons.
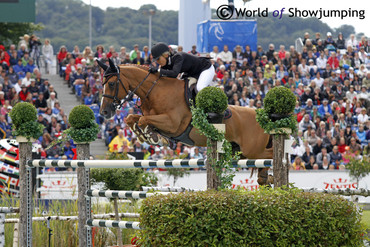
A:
x: 162, y: 60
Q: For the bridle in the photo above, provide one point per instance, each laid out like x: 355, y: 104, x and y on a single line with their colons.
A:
x: 117, y: 103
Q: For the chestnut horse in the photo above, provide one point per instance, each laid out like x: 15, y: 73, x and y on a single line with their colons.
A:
x: 164, y: 107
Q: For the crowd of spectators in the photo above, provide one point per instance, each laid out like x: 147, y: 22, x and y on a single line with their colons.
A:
x: 330, y: 78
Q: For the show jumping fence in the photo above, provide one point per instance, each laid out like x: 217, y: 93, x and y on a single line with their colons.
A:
x: 3, y: 212
x: 83, y: 165
x: 85, y: 219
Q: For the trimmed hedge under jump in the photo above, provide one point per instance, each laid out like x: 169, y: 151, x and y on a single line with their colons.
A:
x: 259, y: 218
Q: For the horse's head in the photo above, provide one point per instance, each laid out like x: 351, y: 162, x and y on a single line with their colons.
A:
x: 114, y: 89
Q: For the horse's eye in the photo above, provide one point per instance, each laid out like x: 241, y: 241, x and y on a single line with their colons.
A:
x: 111, y: 84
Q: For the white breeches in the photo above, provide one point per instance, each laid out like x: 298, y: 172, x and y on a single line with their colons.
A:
x: 205, y: 78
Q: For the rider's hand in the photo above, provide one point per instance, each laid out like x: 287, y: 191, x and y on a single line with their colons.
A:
x: 153, y: 69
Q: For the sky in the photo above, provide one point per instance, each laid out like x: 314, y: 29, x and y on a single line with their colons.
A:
x: 361, y: 25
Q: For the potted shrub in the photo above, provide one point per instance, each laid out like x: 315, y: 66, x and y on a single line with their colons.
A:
x: 213, y: 101
x: 83, y: 129
x: 276, y: 117
x: 26, y: 128
x: 279, y: 103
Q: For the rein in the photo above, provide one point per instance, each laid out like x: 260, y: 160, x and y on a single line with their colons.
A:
x: 129, y: 94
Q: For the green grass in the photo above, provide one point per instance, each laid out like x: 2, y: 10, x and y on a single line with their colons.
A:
x: 65, y: 232
x: 366, y: 218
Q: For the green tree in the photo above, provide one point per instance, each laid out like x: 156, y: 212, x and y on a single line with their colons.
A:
x: 11, y: 32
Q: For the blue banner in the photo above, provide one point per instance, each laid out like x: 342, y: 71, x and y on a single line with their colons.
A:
x: 231, y: 33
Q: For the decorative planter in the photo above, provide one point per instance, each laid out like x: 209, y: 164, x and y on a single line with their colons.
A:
x: 215, y: 118
x: 22, y: 139
x: 275, y: 116
x: 220, y: 127
x: 286, y: 131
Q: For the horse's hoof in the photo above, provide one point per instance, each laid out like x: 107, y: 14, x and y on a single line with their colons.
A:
x: 270, y: 179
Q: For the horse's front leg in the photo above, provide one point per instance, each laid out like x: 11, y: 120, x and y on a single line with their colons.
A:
x: 162, y: 122
x: 132, y: 121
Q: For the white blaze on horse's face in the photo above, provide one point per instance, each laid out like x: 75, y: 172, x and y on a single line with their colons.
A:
x: 107, y: 110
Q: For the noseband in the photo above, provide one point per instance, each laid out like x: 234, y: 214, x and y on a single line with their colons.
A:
x: 117, y: 103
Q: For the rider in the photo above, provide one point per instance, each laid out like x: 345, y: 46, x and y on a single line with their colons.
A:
x: 172, y: 64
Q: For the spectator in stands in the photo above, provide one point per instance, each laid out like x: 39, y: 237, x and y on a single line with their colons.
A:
x: 298, y: 164
x: 118, y: 142
x: 33, y: 89
x: 87, y: 52
x: 214, y: 53
x: 145, y: 54
x: 320, y: 157
x: 352, y: 42
x: 362, y: 118
x: 303, y: 125
x: 311, y: 163
x: 99, y: 51
x: 361, y: 134
x: 226, y: 56
x: 325, y: 108
x: 270, y: 52
x: 51, y: 100
x: 138, y: 59
x: 335, y: 157
x: 41, y: 103
x: 341, y: 42
x: 134, y: 52
x: 194, y: 51
x: 354, y: 147
x: 238, y: 55
x: 23, y: 94
x: 157, y: 155
x: 333, y: 61
x: 48, y: 52
x: 48, y: 91
x: 62, y: 54
x: 111, y: 51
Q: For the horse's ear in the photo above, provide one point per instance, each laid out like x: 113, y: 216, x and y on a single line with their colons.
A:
x: 103, y: 65
x: 112, y: 65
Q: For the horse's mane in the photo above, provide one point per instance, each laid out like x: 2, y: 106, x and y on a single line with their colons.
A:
x: 143, y: 67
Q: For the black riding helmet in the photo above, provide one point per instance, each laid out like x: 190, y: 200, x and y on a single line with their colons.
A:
x: 158, y: 49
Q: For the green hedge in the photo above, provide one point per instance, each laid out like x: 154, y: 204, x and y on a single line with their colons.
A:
x: 261, y: 218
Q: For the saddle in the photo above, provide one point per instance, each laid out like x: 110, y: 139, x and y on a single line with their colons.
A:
x: 190, y: 91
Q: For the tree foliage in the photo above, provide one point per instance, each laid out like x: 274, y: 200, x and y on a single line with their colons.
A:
x: 11, y: 32
x: 67, y: 23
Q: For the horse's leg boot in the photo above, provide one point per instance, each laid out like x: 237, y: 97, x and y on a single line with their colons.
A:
x: 151, y: 136
x: 139, y: 133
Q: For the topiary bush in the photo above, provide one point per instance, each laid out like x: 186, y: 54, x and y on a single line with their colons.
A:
x: 83, y: 126
x: 279, y: 100
x: 81, y: 116
x: 255, y: 218
x: 211, y: 99
x: 24, y: 116
x: 23, y: 112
